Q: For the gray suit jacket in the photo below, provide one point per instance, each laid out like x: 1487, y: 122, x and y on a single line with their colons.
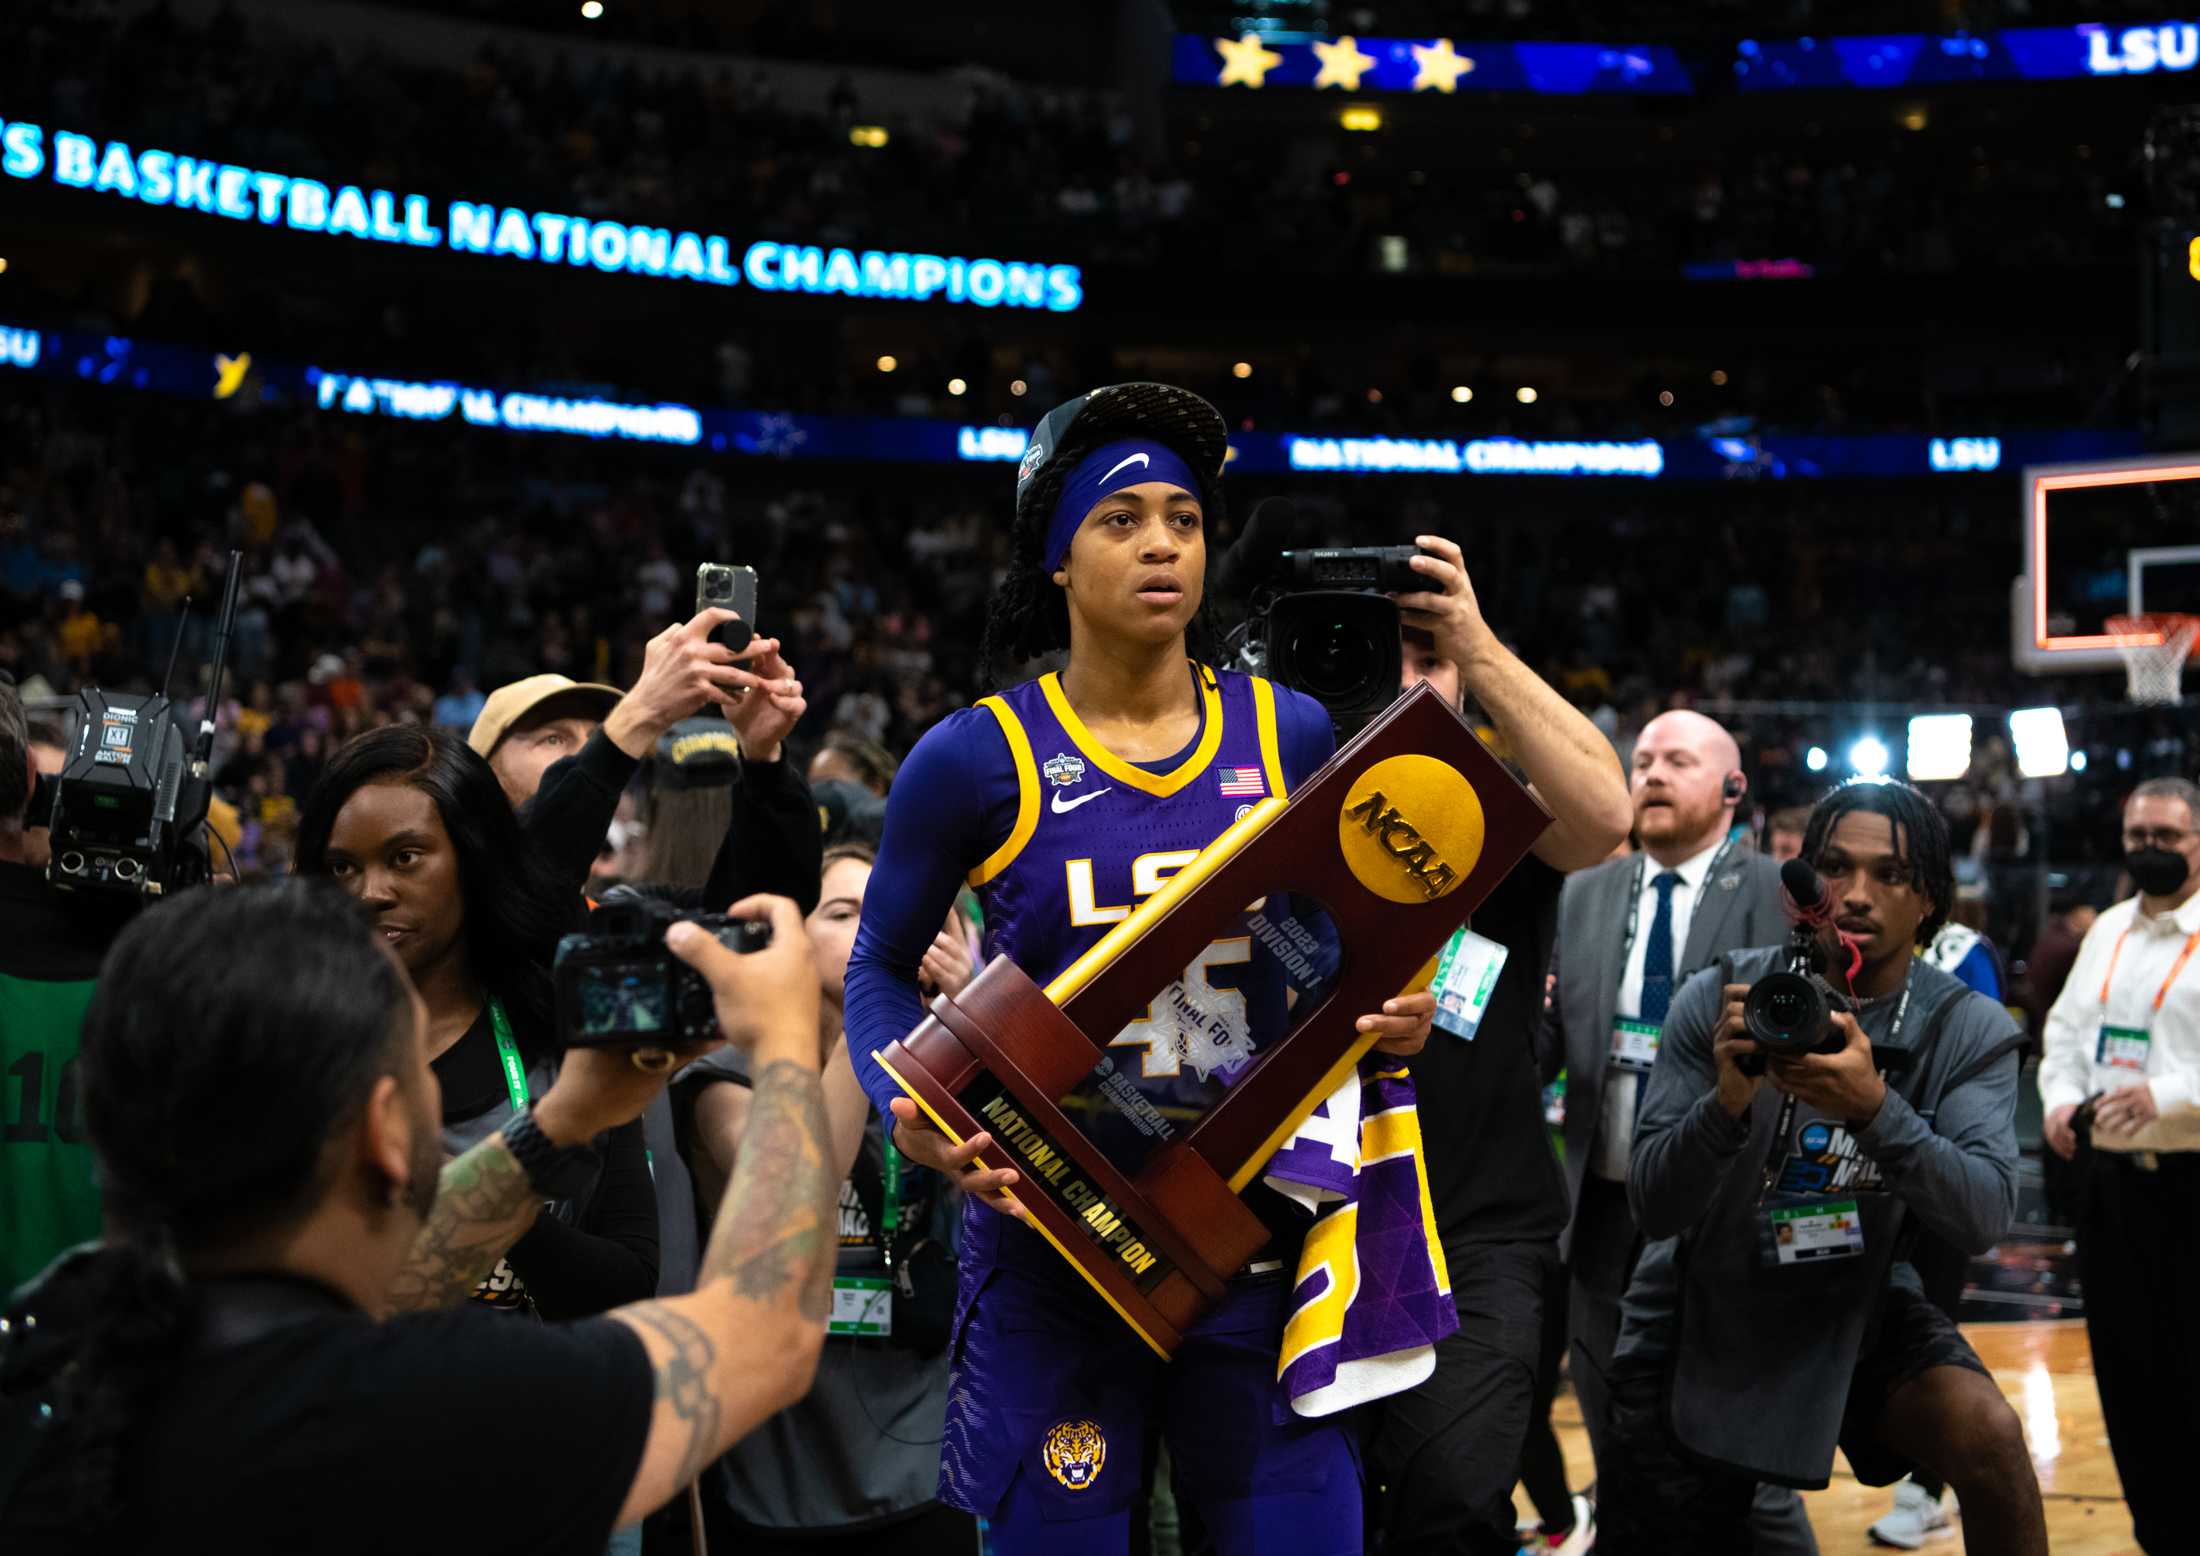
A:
x: 1740, y: 907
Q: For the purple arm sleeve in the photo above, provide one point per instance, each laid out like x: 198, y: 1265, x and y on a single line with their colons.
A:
x: 952, y: 802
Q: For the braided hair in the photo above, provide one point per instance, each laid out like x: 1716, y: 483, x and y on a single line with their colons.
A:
x: 213, y: 1084
x: 1028, y: 615
x: 1920, y: 839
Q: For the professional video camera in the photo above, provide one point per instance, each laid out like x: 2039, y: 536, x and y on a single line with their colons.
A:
x: 129, y: 806
x: 1790, y: 1012
x: 618, y: 984
x: 1319, y: 620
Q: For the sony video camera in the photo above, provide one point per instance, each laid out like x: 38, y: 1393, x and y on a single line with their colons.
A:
x: 130, y: 802
x: 1790, y: 1012
x: 1321, y: 621
x: 618, y: 983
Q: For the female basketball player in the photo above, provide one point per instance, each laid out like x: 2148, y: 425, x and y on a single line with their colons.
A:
x: 1065, y: 801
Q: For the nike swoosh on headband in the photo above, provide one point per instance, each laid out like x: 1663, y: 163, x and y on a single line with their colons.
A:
x: 1062, y: 806
x: 1135, y: 459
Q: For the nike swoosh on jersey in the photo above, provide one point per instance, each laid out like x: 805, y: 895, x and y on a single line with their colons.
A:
x: 1062, y: 806
x: 1142, y: 461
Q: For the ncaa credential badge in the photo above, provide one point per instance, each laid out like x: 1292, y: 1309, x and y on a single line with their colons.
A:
x: 1062, y: 770
x: 1074, y: 1453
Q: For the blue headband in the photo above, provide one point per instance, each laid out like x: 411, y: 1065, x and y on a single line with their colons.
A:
x: 1110, y: 468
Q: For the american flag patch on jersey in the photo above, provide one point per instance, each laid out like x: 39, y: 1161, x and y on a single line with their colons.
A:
x: 1238, y: 782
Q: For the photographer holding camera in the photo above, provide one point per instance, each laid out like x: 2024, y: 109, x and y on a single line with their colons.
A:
x: 223, y: 1370
x: 1782, y: 1149
x: 1630, y: 931
x: 1447, y: 1452
x: 2120, y: 1079
x: 854, y: 1467
x: 564, y: 750
x: 50, y: 945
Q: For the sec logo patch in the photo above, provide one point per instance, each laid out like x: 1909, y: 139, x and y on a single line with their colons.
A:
x: 1074, y: 1453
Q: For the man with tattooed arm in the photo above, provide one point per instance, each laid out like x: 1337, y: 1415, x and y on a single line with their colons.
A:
x: 268, y: 1349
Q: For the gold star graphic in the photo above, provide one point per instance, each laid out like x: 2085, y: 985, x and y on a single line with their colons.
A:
x: 1342, y: 64
x: 1245, y: 62
x: 1439, y: 66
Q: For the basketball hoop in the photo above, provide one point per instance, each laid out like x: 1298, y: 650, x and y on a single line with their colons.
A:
x: 2154, y: 647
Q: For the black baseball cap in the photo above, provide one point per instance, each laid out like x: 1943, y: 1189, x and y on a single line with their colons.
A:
x: 1163, y: 412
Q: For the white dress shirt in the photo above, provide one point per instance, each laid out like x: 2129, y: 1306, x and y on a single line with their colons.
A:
x: 1616, y: 1136
x: 2070, y: 1070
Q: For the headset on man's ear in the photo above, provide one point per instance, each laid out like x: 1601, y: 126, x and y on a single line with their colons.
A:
x: 1736, y: 786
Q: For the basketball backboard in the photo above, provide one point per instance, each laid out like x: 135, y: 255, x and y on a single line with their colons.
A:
x: 2109, y: 538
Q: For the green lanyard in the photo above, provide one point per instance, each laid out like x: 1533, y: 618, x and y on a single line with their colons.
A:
x: 889, y: 1210
x: 515, y: 1073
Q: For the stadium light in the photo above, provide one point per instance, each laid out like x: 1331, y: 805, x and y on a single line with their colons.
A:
x: 1461, y: 394
x: 1940, y: 747
x: 871, y: 136
x: 591, y: 9
x: 1868, y: 757
x: 2043, y: 745
x: 1241, y: 370
x: 1525, y: 395
x: 1665, y: 397
x: 1815, y: 759
x: 887, y: 364
x: 2077, y: 761
x: 1361, y: 117
x: 1017, y: 387
x: 1718, y: 377
x: 956, y: 386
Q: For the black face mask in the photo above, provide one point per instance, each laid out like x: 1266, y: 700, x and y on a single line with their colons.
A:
x: 2158, y: 872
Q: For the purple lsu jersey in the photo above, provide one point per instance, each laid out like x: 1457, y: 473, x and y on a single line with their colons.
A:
x: 1094, y: 837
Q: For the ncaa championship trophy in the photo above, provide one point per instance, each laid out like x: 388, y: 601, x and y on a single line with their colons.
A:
x: 1397, y: 839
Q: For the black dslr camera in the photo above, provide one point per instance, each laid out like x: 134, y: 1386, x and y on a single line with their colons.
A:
x: 1790, y: 1012
x: 619, y: 984
x: 1321, y: 621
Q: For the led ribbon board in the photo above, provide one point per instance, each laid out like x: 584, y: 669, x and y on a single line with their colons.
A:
x: 152, y: 176
x: 1914, y: 59
x: 589, y: 411
x: 1348, y: 64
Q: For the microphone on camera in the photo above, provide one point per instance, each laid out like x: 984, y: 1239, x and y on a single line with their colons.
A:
x: 1808, y: 899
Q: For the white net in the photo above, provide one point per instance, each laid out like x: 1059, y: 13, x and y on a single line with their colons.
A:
x: 2154, y: 672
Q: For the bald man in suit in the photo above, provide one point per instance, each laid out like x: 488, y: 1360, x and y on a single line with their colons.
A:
x: 1630, y: 931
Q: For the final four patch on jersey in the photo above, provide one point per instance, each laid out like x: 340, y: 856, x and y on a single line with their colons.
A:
x: 1062, y: 769
x: 1074, y: 1453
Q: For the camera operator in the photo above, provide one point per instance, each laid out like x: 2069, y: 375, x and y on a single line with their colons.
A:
x: 50, y: 945
x: 222, y: 1372
x: 854, y: 1467
x: 2120, y: 1079
x: 412, y: 823
x: 1774, y: 1311
x: 1630, y: 932
x: 1446, y: 1454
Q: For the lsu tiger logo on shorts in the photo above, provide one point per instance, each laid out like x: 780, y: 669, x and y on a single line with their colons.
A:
x: 1074, y: 1453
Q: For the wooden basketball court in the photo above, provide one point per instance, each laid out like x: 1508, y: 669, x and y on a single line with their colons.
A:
x: 2045, y: 1368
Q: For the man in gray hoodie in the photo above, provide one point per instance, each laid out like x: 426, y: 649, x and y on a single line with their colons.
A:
x: 1774, y: 1312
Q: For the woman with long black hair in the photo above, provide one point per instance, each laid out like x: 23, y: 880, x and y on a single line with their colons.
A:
x: 412, y: 822
x: 1064, y: 801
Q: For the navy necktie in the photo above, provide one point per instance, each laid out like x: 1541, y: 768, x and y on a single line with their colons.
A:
x: 1657, y: 953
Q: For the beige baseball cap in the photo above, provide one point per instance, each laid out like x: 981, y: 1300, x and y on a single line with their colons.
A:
x: 509, y: 705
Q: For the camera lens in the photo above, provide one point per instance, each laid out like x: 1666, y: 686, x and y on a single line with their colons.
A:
x: 1332, y: 658
x: 1786, y: 1009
